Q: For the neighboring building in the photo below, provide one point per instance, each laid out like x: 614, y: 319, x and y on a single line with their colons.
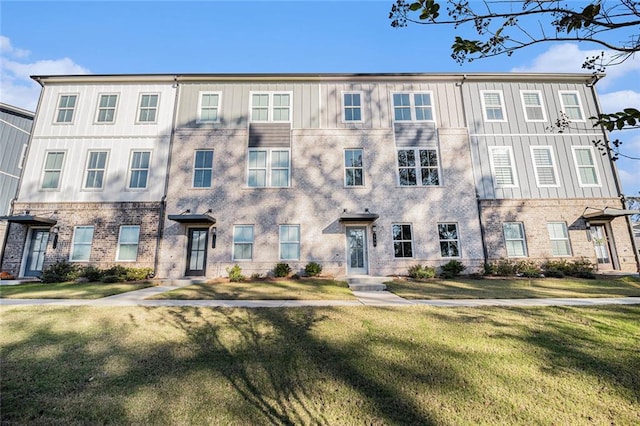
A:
x: 362, y: 173
x: 15, y: 128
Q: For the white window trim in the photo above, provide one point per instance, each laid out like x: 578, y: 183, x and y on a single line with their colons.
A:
x: 57, y: 110
x: 44, y: 163
x: 200, y: 96
x: 73, y: 243
x: 458, y: 240
x: 268, y: 168
x: 393, y: 241
x: 577, y: 170
x: 139, y: 108
x: 119, y: 243
x: 193, y: 174
x: 233, y: 243
x: 86, y: 170
x: 513, y: 167
x: 568, y: 239
x: 345, y: 167
x: 342, y: 108
x: 523, y: 239
x: 115, y: 109
x: 412, y: 107
x: 289, y: 242
x: 564, y: 107
x: 130, y: 170
x: 502, y: 106
x: 553, y: 165
x: 270, y: 106
x: 418, y: 167
x: 524, y: 106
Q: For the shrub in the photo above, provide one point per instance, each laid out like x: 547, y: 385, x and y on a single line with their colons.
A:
x: 504, y: 268
x: 110, y: 279
x: 235, y: 273
x: 256, y: 276
x: 60, y: 272
x: 138, y: 274
x: 527, y: 268
x: 580, y: 268
x: 421, y: 272
x: 91, y: 273
x: 281, y: 270
x: 489, y: 268
x: 6, y: 276
x: 312, y: 269
x: 452, y: 269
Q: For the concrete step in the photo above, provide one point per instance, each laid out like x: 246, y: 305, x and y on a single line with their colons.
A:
x: 367, y: 287
x: 365, y: 282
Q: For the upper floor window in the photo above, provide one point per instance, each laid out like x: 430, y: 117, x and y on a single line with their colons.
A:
x: 493, y: 105
x: 289, y: 242
x: 352, y: 105
x: 107, y: 108
x: 81, y: 245
x: 449, y: 240
x: 139, y: 171
x: 208, y: 107
x: 271, y: 107
x: 502, y: 166
x: 514, y: 239
x: 96, y: 165
x: 532, y: 105
x: 148, y: 108
x: 52, y: 172
x: 584, y: 160
x: 571, y: 105
x: 544, y: 166
x: 128, y: 243
x: 202, y: 169
x: 559, y: 236
x: 412, y: 106
x: 268, y: 168
x: 66, y: 107
x: 353, y: 167
x: 402, y: 240
x: 418, y: 167
x: 243, y: 242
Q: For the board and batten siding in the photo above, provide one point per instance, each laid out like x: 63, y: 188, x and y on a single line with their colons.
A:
x: 14, y: 137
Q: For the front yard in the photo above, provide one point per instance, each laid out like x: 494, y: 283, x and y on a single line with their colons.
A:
x: 69, y: 290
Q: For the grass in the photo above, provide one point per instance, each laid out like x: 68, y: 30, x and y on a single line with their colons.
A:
x: 364, y: 365
x: 510, y: 288
x: 276, y: 289
x: 68, y: 290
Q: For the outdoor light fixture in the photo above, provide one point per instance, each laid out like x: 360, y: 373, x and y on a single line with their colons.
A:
x: 374, y: 230
x: 55, y: 231
x: 214, y: 235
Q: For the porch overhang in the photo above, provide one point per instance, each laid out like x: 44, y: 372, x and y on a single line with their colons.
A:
x: 193, y: 218
x: 358, y: 217
x: 607, y: 213
x: 27, y: 219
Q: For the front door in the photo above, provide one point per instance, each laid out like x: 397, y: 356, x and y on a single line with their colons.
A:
x: 35, y: 255
x: 357, y: 251
x: 601, y: 245
x: 197, y: 251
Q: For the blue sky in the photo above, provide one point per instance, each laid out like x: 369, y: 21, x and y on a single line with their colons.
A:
x: 120, y: 37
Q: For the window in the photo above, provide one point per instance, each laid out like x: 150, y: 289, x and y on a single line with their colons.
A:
x: 52, y: 170
x: 148, y: 108
x: 268, y: 168
x: 532, y: 104
x: 353, y: 169
x: 352, y: 107
x: 96, y: 165
x: 243, y: 242
x: 402, y: 240
x: 66, y: 106
x: 271, y: 107
x: 107, y: 108
x: 449, y: 242
x: 571, y: 105
x: 501, y: 159
x: 202, y: 169
x: 289, y: 242
x: 544, y: 166
x: 514, y: 239
x: 493, y: 106
x: 208, y: 107
x: 418, y: 167
x: 585, y: 165
x: 81, y: 246
x: 128, y: 243
x: 559, y: 237
x: 412, y: 106
x: 139, y: 172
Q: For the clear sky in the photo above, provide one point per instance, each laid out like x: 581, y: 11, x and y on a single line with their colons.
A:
x: 122, y: 37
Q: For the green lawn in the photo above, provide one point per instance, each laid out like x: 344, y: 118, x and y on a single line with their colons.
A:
x: 509, y: 288
x: 277, y: 289
x: 358, y: 365
x: 68, y: 290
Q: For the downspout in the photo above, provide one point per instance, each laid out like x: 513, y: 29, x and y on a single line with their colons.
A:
x: 163, y: 202
x: 614, y: 169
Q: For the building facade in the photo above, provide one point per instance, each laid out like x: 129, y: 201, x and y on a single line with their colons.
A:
x: 363, y: 174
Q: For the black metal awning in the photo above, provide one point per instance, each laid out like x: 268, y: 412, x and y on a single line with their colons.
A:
x: 27, y: 219
x: 358, y: 217
x: 192, y: 218
x: 607, y: 213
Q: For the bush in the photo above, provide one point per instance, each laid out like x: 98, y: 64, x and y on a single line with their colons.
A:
x: 452, y: 269
x: 281, y: 270
x: 110, y: 279
x: 312, y: 269
x: 580, y: 268
x: 528, y: 268
x: 138, y: 274
x: 91, y: 273
x: 60, y: 272
x: 235, y: 273
x: 504, y: 268
x: 256, y: 276
x: 421, y: 272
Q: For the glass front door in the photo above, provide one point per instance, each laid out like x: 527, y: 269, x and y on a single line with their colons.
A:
x: 37, y: 249
x: 601, y: 245
x: 357, y: 251
x: 197, y: 252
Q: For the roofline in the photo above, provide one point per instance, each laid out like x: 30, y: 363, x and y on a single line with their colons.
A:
x: 18, y: 111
